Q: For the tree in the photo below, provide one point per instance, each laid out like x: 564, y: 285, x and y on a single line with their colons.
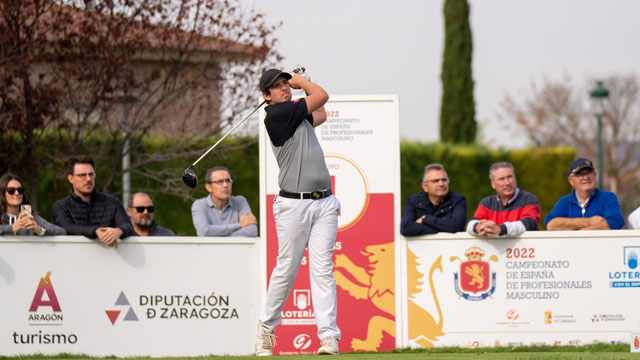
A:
x: 559, y: 113
x: 26, y: 102
x: 457, y: 111
x: 118, y: 70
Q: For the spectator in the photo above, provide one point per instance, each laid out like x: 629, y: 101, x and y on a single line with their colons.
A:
x: 511, y: 212
x: 89, y: 212
x: 221, y: 214
x: 436, y: 208
x: 587, y: 207
x: 633, y: 221
x: 16, y: 222
x: 141, y: 212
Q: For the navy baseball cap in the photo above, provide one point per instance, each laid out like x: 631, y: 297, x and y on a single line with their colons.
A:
x: 579, y: 164
x: 270, y: 76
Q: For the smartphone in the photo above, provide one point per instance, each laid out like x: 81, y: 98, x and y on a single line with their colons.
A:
x: 25, y: 209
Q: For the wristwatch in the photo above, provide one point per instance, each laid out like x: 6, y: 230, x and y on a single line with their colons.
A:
x: 42, y: 232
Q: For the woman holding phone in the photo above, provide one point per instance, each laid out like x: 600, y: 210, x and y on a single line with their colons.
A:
x: 15, y: 211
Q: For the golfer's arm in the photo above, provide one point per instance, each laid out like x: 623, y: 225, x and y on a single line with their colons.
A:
x: 316, y: 97
x: 319, y: 116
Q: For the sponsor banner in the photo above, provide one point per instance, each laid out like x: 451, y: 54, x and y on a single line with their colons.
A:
x: 76, y: 296
x: 635, y: 341
x: 361, y: 147
x: 542, y: 288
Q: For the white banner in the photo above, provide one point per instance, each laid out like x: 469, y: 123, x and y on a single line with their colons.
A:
x: 361, y: 147
x: 553, y: 288
x: 149, y: 297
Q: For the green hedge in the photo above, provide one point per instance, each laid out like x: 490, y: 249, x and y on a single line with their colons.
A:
x: 239, y: 155
x: 541, y: 171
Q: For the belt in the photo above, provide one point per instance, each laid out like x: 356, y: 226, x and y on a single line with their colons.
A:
x: 314, y: 195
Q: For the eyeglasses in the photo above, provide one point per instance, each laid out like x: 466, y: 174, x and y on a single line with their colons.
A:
x: 435, y: 181
x: 582, y: 174
x: 87, y: 175
x: 141, y: 209
x: 221, y: 181
x: 12, y: 190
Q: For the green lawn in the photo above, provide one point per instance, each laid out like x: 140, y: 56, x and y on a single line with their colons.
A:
x: 588, y: 352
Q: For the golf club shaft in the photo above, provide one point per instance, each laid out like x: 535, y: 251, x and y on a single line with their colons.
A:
x: 228, y: 132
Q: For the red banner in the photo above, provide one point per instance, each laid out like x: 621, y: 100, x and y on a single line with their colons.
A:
x: 365, y: 283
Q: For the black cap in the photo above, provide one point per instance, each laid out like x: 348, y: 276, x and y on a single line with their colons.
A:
x: 270, y: 76
x: 579, y: 164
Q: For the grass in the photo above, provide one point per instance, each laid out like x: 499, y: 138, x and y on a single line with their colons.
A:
x: 588, y: 352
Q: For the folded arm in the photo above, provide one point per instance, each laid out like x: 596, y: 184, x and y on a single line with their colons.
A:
x: 61, y: 217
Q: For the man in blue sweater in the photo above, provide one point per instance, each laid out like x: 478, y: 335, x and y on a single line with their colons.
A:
x: 587, y: 207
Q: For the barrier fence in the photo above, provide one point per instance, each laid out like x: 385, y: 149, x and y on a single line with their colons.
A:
x: 186, y: 296
x: 554, y: 288
x: 151, y: 296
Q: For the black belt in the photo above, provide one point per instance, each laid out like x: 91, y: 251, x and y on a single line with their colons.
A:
x: 314, y: 195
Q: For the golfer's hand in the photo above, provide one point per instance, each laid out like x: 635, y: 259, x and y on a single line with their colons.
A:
x: 297, y: 81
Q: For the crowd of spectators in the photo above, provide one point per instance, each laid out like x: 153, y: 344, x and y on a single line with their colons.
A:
x: 95, y: 215
x: 510, y: 212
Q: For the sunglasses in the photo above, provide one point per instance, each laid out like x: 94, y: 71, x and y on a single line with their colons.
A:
x: 140, y: 209
x: 12, y: 190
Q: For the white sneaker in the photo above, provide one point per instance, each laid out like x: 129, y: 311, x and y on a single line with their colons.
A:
x: 329, y: 346
x: 265, y: 340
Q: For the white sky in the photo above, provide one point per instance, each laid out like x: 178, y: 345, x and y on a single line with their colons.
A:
x: 395, y: 47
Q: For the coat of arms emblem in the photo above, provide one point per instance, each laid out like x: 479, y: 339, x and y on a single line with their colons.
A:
x: 474, y: 281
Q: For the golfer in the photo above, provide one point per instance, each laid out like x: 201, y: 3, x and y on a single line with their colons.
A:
x: 305, y: 210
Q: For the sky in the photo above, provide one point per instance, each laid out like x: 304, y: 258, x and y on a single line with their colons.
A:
x: 359, y: 47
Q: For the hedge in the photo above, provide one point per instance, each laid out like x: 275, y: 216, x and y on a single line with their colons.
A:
x: 541, y: 171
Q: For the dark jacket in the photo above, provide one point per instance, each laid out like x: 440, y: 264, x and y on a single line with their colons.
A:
x: 50, y: 229
x: 84, y: 218
x: 157, y: 230
x: 449, y: 216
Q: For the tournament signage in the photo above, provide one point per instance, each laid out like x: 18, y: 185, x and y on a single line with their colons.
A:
x: 149, y: 297
x: 361, y: 146
x: 554, y: 288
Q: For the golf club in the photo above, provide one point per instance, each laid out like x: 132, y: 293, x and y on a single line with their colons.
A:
x: 189, y: 177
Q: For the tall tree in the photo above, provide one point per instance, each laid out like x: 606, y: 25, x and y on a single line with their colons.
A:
x: 117, y: 70
x: 561, y: 113
x: 457, y: 111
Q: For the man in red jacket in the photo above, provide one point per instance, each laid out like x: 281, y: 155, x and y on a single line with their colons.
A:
x: 511, y: 212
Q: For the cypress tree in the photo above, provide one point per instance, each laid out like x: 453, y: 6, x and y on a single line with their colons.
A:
x: 457, y: 111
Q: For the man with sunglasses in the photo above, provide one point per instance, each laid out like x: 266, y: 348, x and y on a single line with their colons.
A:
x: 89, y: 212
x: 220, y: 213
x: 436, y: 209
x: 141, y: 212
x: 587, y: 207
